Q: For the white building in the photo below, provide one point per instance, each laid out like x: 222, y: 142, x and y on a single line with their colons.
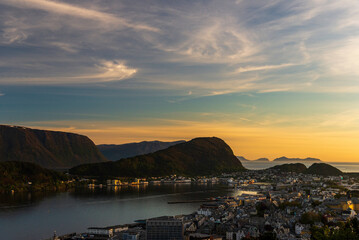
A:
x: 298, y: 228
x: 97, y: 231
x: 204, y: 211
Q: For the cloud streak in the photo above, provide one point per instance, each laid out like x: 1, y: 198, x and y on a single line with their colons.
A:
x: 112, y: 71
x: 13, y: 35
x: 102, y: 71
x: 263, y: 68
x: 75, y: 11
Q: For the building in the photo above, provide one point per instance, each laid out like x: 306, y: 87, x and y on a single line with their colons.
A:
x: 164, y: 228
x: 113, y: 182
x: 349, y: 213
x: 100, y: 232
x: 355, y: 202
x: 340, y: 204
x: 200, y: 236
x: 204, y: 211
x: 131, y: 236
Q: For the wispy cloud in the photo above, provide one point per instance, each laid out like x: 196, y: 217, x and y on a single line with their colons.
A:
x: 112, y: 71
x: 262, y: 68
x: 274, y: 90
x: 65, y: 46
x: 341, y: 58
x: 219, y: 41
x: 102, y: 71
x: 347, y: 118
x: 76, y: 11
x: 13, y: 35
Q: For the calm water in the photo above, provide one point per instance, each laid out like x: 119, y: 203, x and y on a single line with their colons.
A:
x: 36, y: 216
x: 343, y: 166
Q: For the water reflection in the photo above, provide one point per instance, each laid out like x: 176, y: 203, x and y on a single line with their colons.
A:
x: 29, y: 199
x: 131, y: 191
x: 23, y: 199
x: 84, y: 207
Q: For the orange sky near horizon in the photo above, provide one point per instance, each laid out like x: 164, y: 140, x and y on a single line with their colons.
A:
x: 250, y: 142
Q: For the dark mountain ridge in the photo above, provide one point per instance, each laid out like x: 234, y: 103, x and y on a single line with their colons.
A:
x: 116, y: 152
x: 323, y: 169
x: 290, y: 167
x: 50, y: 149
x: 200, y: 156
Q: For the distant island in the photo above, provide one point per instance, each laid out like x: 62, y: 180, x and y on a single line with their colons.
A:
x: 115, y: 152
x: 315, y: 169
x: 285, y: 159
x: 281, y: 159
x: 200, y: 156
x: 241, y: 158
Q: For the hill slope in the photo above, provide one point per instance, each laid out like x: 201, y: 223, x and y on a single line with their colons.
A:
x: 16, y: 175
x: 323, y: 169
x: 316, y: 168
x: 200, y: 156
x: 290, y: 167
x: 49, y: 149
x: 116, y: 152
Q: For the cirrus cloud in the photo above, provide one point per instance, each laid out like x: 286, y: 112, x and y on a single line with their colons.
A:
x: 112, y: 71
x: 101, y: 71
x: 76, y: 11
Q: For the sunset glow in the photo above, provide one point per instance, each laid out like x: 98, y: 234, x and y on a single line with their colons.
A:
x: 271, y: 78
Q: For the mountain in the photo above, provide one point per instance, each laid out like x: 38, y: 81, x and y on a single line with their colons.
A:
x: 200, y: 156
x: 116, y: 152
x: 49, y: 149
x: 285, y: 159
x: 316, y: 168
x: 16, y: 176
x: 323, y: 169
x: 290, y: 167
x: 241, y: 158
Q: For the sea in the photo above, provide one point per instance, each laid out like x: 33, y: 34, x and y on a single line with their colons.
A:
x: 35, y: 216
x: 343, y: 166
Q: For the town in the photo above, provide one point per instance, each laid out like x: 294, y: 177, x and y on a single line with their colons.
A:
x: 273, y: 204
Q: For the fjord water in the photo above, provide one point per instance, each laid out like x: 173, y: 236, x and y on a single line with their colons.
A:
x: 35, y: 216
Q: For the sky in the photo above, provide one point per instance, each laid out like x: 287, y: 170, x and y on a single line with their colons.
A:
x: 271, y: 78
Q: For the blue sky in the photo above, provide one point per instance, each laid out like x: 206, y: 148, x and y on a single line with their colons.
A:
x: 271, y: 78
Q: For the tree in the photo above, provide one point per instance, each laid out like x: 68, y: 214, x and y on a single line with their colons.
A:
x: 310, y: 218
